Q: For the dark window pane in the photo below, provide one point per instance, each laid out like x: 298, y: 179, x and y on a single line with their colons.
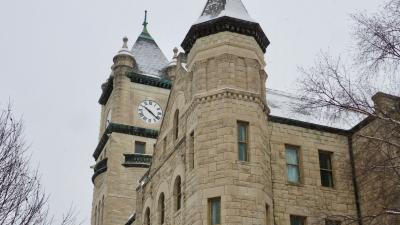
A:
x: 140, y: 147
x: 326, y: 178
x: 242, y: 132
x: 332, y: 222
x: 242, y: 151
x: 215, y: 211
x: 325, y: 161
x: 297, y: 220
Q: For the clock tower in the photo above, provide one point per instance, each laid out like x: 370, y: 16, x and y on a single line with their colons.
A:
x: 132, y: 103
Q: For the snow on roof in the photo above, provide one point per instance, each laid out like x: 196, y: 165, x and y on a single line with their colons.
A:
x: 149, y: 57
x: 220, y: 8
x: 282, y: 104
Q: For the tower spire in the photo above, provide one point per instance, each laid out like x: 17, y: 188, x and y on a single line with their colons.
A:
x: 145, y: 33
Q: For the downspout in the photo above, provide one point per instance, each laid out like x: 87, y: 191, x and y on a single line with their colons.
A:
x: 353, y: 172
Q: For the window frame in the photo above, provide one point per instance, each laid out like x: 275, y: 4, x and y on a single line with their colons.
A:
x: 210, y: 210
x: 245, y: 142
x: 303, y: 219
x: 145, y: 147
x: 298, y: 165
x: 329, y: 171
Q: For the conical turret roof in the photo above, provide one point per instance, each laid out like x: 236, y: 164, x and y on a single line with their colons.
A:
x: 150, y: 60
x: 225, y: 15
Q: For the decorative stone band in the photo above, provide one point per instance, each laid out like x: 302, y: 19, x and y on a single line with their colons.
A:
x: 99, y: 168
x: 231, y: 94
x: 135, y: 78
x: 123, y: 129
x: 225, y: 24
x: 137, y: 160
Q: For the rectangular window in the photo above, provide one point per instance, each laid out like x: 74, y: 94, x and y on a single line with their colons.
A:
x: 332, y: 222
x: 293, y: 164
x: 243, y: 129
x: 140, y: 147
x: 325, y: 164
x: 267, y: 214
x: 214, y: 205
x: 297, y: 220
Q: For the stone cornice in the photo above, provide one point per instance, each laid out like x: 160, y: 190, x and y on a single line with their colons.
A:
x: 122, y: 129
x: 151, y: 81
x: 311, y: 126
x: 99, y: 168
x: 107, y: 87
x: 222, y: 24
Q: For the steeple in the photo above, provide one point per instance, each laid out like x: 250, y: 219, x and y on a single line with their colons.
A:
x: 149, y: 57
x: 145, y: 33
x: 225, y: 15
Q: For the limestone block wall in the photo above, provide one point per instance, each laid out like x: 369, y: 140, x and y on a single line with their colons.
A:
x: 309, y: 199
x: 376, y: 178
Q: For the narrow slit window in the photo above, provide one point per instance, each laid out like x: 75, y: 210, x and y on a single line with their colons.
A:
x: 214, y: 211
x: 293, y: 164
x: 325, y: 162
x: 243, y: 129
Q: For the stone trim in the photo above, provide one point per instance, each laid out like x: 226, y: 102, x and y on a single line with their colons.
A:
x: 307, y: 125
x: 99, y: 168
x: 230, y: 94
x: 122, y: 129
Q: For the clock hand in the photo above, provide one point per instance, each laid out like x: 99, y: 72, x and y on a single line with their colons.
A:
x: 148, y: 110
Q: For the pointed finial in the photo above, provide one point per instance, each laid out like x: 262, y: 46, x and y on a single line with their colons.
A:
x: 176, y: 52
x: 125, y: 39
x: 145, y: 18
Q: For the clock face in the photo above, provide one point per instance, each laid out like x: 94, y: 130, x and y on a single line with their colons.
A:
x: 150, y: 111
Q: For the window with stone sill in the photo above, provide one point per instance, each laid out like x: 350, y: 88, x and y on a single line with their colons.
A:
x: 326, y: 169
x: 297, y: 220
x: 293, y: 164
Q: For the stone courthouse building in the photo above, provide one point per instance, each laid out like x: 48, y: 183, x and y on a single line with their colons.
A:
x: 200, y: 140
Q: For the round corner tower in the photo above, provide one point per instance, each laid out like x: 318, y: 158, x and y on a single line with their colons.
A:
x: 225, y: 54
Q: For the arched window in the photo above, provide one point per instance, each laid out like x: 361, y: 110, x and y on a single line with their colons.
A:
x: 178, y: 193
x: 147, y: 217
x: 176, y: 124
x: 161, y: 208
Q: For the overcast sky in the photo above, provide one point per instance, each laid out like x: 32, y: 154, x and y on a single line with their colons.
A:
x: 54, y: 55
